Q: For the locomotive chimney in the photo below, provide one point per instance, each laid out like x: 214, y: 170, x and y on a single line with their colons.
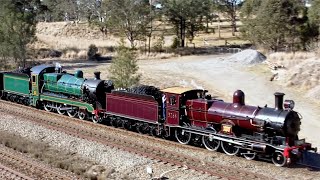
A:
x: 97, y: 75
x: 279, y: 100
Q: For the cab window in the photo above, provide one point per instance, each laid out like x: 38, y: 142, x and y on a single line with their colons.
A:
x: 33, y: 79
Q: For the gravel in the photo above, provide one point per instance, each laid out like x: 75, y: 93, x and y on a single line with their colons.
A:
x: 248, y: 56
x: 120, y: 164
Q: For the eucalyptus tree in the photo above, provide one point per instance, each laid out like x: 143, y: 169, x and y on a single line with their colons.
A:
x: 128, y: 17
x: 275, y: 24
x: 18, y: 20
x: 187, y: 16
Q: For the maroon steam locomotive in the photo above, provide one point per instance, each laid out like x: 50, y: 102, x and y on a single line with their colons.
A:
x: 190, y: 115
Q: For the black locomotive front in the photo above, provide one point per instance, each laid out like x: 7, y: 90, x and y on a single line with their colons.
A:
x: 94, y: 90
x: 281, y: 120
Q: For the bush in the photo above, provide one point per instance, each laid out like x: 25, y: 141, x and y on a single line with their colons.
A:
x: 158, y: 45
x: 92, y: 52
x: 175, y: 43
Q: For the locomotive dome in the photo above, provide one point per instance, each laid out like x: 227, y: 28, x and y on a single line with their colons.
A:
x: 238, y: 97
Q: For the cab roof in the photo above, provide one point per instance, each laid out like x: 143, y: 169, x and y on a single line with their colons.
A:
x: 180, y: 90
x: 38, y: 69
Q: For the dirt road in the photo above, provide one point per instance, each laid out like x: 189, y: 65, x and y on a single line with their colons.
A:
x: 222, y: 77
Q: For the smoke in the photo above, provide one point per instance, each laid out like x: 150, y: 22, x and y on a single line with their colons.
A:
x: 193, y: 84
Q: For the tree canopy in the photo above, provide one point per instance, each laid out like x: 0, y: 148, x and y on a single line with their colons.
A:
x: 124, y: 68
x: 187, y: 16
x: 275, y: 24
x: 17, y: 27
x: 314, y: 12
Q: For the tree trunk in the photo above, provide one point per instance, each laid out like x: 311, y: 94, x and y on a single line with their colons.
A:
x: 149, y: 43
x: 233, y: 25
x: 182, y: 31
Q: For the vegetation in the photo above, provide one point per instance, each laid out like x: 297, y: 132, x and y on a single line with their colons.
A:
x: 273, y: 25
x: 124, y: 68
x: 314, y: 14
x: 277, y: 24
x: 229, y: 8
x: 92, y: 52
x: 187, y: 17
x: 17, y: 28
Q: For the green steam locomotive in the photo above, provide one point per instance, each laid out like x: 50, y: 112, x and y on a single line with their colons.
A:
x: 46, y: 86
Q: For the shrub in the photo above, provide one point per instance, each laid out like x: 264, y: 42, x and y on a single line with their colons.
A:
x: 92, y: 52
x: 175, y: 43
x: 158, y: 45
x: 124, y: 68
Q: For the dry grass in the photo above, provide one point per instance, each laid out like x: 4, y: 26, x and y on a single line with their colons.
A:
x: 289, y: 59
x: 60, y: 159
x: 73, y: 41
x: 61, y: 35
x: 301, y: 71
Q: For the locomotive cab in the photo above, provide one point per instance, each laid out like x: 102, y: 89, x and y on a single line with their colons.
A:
x: 175, y: 103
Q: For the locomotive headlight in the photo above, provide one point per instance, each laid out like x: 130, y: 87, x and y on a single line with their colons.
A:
x: 288, y: 104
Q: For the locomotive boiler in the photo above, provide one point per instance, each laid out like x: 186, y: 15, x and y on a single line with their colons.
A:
x: 75, y: 86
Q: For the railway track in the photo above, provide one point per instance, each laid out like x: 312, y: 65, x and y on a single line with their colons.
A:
x: 7, y: 173
x: 103, y: 134
x: 15, y: 166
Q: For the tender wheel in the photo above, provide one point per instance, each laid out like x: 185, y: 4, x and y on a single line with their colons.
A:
x: 139, y: 128
x: 249, y: 155
x: 210, y: 144
x: 153, y: 131
x: 229, y: 148
x: 72, y: 112
x: 182, y: 136
x: 83, y: 114
x: 278, y: 159
x: 26, y: 102
x: 59, y: 109
x: 127, y: 125
x: 113, y: 122
x: 47, y: 106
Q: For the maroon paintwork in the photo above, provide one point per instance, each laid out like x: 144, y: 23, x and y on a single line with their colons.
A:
x: 203, y: 112
x: 134, y: 106
x: 172, y: 109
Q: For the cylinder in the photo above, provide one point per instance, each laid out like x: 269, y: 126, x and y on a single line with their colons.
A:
x: 258, y: 147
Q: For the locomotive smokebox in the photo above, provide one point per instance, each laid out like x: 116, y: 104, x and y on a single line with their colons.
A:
x: 279, y: 100
x: 97, y: 75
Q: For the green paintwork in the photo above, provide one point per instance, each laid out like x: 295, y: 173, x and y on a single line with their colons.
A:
x: 63, y: 83
x: 80, y: 104
x: 78, y: 74
x: 16, y: 84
